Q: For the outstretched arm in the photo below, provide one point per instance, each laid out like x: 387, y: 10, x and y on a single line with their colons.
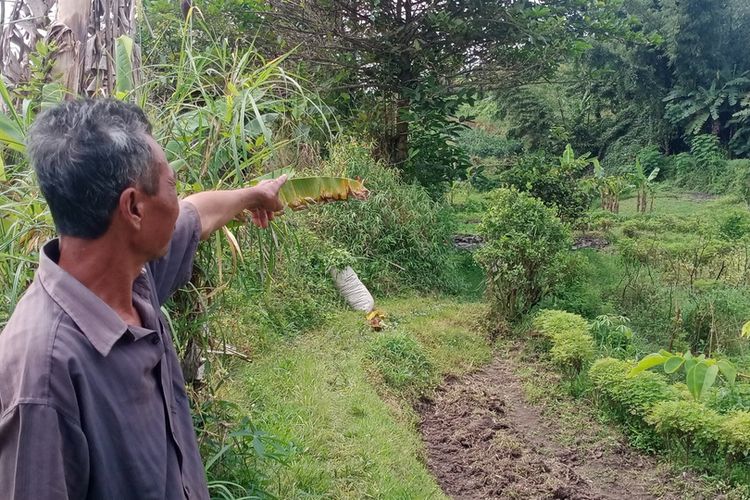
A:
x: 216, y: 208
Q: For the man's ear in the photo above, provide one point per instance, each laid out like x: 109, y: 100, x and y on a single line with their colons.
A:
x: 131, y: 207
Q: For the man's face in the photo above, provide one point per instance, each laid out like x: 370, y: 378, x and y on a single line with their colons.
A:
x: 161, y: 209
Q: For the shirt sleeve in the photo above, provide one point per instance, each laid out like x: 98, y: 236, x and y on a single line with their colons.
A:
x: 175, y: 268
x: 42, y: 455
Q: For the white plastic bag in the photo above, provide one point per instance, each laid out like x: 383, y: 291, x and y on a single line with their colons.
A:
x: 355, y: 293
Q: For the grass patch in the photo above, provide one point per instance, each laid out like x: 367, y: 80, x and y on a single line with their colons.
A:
x: 328, y: 393
x: 681, y: 203
x: 401, y: 360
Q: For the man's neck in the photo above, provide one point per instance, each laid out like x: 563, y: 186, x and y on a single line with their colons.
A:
x: 103, y: 267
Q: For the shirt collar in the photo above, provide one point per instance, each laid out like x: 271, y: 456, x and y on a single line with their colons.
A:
x: 101, y: 325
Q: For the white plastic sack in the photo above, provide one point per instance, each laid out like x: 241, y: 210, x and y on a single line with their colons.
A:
x: 354, y: 292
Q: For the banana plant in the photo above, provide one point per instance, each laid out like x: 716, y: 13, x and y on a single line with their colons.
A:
x: 700, y: 372
x: 645, y: 186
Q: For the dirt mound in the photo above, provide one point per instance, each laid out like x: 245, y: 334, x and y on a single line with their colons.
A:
x: 589, y: 241
x: 484, y: 441
x: 467, y: 241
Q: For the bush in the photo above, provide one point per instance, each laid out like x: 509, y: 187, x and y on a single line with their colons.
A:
x: 401, y: 361
x: 555, y: 185
x: 586, y: 289
x: 399, y: 237
x: 633, y: 395
x: 612, y: 334
x: 478, y: 142
x: 735, y: 433
x: 525, y: 248
x: 716, y: 310
x: 687, y: 421
x: 730, y: 398
x: 572, y: 346
x: 735, y: 179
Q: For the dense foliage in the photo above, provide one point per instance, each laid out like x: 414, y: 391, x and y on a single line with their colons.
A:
x: 524, y: 252
x: 459, y: 117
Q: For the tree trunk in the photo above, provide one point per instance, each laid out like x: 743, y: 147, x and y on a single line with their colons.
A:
x: 401, y: 139
x: 68, y: 34
x: 716, y: 128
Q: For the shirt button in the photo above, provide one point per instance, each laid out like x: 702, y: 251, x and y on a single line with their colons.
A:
x: 155, y: 339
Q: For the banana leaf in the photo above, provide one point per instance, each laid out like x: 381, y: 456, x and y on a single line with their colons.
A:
x: 298, y: 193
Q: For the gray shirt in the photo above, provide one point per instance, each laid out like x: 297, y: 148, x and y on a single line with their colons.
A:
x: 91, y: 407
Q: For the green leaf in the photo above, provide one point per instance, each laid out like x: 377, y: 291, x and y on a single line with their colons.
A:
x: 11, y: 135
x: 649, y: 361
x: 728, y: 370
x: 300, y: 192
x: 8, y: 102
x: 124, y: 61
x: 673, y: 364
x: 695, y: 378
x: 746, y: 330
x: 709, y: 379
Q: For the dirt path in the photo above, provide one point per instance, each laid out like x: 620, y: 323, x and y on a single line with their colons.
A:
x: 484, y: 440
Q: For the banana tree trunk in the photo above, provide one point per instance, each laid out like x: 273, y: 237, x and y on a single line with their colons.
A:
x: 84, y: 34
x: 68, y: 34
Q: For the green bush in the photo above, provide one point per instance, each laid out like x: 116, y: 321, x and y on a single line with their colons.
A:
x: 399, y: 237
x: 730, y: 398
x: 572, y: 346
x: 633, y: 395
x: 588, y: 280
x: 735, y: 433
x: 525, y: 250
x: 478, y: 142
x: 613, y: 335
x: 716, y: 310
x: 401, y: 361
x: 741, y: 176
x: 689, y: 422
x: 558, y: 186
x: 734, y: 225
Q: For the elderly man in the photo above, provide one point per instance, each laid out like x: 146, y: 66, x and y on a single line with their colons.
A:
x: 92, y: 399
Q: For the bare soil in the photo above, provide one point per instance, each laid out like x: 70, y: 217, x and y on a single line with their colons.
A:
x: 484, y: 440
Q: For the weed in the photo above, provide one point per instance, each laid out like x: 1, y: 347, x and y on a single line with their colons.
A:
x: 401, y: 361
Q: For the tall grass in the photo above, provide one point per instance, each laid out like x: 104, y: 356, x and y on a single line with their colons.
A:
x: 399, y: 238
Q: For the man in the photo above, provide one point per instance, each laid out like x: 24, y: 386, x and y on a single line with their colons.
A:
x: 92, y: 399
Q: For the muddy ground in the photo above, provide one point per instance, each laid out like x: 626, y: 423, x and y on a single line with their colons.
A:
x: 484, y: 440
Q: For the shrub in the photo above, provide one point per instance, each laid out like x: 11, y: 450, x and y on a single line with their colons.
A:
x: 735, y: 225
x: 635, y: 395
x: 556, y: 185
x: 587, y: 282
x: 399, y: 237
x: 651, y: 158
x: 741, y: 176
x: 735, y: 433
x: 401, y: 361
x: 526, y: 246
x: 612, y: 334
x: 572, y: 346
x: 478, y: 142
x: 730, y: 398
x: 690, y: 422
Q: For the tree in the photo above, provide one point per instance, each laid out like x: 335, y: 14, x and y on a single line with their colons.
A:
x: 707, y: 43
x: 385, y: 49
x: 83, y: 36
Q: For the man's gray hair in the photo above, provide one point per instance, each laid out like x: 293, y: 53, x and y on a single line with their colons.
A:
x: 85, y: 153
